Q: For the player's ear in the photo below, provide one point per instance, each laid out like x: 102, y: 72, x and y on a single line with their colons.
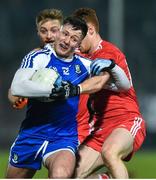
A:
x: 37, y: 30
x: 91, y: 29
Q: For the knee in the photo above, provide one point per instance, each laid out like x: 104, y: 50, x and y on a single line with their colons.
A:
x: 60, y: 173
x: 110, y: 154
x: 81, y: 172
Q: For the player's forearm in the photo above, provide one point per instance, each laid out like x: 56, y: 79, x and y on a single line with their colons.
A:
x: 22, y: 85
x: 95, y: 83
x: 121, y: 81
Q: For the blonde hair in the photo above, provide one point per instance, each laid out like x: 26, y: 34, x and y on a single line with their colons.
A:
x: 53, y: 14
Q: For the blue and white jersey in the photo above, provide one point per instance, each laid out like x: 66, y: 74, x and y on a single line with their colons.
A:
x: 50, y: 120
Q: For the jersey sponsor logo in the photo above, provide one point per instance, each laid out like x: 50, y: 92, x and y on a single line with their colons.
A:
x: 53, y: 67
x: 65, y: 70
x: 77, y: 68
x: 15, y: 158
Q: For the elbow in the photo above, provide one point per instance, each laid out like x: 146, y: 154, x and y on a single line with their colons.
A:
x: 15, y: 89
x: 127, y: 87
x: 124, y: 87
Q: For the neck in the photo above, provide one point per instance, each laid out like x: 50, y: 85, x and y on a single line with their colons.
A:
x: 95, y: 43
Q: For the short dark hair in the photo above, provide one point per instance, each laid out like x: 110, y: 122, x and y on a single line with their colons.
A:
x: 77, y: 23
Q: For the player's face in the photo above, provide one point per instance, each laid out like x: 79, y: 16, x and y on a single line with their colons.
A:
x: 67, y: 41
x: 48, y: 30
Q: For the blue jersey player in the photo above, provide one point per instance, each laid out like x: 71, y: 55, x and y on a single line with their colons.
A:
x: 48, y: 133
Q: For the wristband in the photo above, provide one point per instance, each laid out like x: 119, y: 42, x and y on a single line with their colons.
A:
x: 80, y: 88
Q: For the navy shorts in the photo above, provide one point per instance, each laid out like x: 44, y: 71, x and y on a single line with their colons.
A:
x: 29, y: 152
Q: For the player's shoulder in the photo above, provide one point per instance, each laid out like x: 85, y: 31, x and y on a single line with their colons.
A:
x: 38, y: 52
x: 40, y: 55
x: 82, y: 57
x: 109, y: 50
x: 108, y: 46
x: 84, y: 60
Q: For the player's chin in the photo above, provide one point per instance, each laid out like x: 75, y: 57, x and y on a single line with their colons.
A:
x: 64, y: 53
x: 49, y: 42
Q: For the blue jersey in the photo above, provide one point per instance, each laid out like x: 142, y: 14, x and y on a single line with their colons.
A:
x: 50, y: 120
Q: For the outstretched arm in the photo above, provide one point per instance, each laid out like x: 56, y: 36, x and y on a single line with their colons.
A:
x: 95, y: 83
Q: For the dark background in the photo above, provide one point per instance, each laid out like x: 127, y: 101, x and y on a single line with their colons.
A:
x: 18, y: 36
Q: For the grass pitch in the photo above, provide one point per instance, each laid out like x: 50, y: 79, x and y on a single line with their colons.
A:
x: 142, y: 166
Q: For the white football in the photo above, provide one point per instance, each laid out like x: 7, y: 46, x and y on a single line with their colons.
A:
x: 46, y: 77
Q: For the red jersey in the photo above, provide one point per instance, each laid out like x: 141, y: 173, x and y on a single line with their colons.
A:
x: 109, y: 105
x: 112, y: 109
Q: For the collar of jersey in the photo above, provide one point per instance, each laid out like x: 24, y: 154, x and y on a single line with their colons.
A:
x: 99, y: 46
x: 61, y: 59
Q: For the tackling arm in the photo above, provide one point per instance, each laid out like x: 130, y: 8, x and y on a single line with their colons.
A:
x: 119, y: 81
x: 89, y: 86
x: 94, y: 84
x: 104, y: 68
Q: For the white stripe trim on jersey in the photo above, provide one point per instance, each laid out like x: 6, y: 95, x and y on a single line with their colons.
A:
x: 27, y: 59
x: 136, y: 126
x: 42, y: 51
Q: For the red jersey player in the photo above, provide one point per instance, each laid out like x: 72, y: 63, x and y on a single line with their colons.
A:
x: 119, y: 126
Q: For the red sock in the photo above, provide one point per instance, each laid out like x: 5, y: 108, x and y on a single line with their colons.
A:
x: 104, y: 176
